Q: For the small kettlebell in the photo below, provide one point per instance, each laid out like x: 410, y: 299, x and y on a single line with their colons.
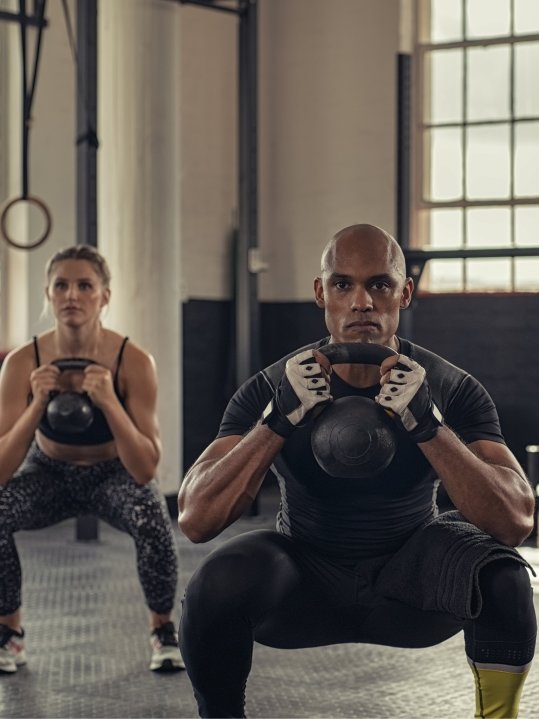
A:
x: 70, y: 412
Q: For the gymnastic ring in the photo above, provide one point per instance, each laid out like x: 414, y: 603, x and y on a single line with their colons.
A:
x: 354, y: 437
x: 33, y: 201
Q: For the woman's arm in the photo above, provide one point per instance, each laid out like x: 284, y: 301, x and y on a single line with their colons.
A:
x: 18, y: 418
x: 135, y: 428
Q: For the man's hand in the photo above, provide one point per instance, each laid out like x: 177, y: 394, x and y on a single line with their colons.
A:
x: 304, y: 386
x: 406, y: 392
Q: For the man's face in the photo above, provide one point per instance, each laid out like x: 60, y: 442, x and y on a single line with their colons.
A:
x: 362, y: 291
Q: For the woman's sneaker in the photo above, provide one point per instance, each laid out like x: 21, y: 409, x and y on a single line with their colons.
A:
x: 11, y: 649
x: 166, y: 656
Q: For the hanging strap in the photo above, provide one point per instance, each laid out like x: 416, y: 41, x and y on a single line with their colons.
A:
x: 28, y: 93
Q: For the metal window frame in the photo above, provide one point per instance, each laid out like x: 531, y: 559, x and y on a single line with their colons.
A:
x: 421, y: 165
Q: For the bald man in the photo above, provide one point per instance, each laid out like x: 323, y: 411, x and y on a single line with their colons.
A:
x: 360, y: 560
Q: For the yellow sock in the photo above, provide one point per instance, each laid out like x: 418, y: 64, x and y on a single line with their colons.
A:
x: 497, y: 691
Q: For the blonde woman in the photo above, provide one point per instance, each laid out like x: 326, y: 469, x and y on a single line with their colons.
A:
x: 48, y: 474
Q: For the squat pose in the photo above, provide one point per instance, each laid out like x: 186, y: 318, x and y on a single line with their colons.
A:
x: 360, y: 560
x: 49, y: 474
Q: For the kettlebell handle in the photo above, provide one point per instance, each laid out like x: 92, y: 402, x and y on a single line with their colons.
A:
x: 356, y: 353
x: 73, y: 363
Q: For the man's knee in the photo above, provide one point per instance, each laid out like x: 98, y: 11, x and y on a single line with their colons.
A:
x: 247, y: 571
x: 506, y: 589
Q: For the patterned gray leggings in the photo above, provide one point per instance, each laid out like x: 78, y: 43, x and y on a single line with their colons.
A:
x: 45, y: 491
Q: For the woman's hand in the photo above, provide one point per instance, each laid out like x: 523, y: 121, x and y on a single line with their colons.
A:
x: 43, y: 381
x: 98, y: 385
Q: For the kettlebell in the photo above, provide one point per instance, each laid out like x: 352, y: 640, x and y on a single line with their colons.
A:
x: 70, y: 412
x: 353, y: 437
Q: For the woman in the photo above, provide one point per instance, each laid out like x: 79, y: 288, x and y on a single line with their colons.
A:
x: 49, y: 474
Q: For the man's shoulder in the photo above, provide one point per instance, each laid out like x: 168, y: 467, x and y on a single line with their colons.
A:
x: 432, y: 361
x: 273, y: 372
x: 445, y: 378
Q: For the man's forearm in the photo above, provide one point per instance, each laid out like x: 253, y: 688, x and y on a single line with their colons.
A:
x: 497, y: 498
x: 217, y: 490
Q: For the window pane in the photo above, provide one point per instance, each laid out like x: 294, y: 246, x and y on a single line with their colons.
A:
x: 489, y: 275
x: 526, y: 84
x: 527, y: 274
x: 488, y: 90
x: 527, y: 226
x: 487, y: 162
x: 526, y: 16
x: 527, y: 158
x: 445, y: 85
x: 445, y: 21
x: 488, y: 227
x: 445, y: 275
x: 446, y: 163
x: 487, y: 18
x: 446, y: 228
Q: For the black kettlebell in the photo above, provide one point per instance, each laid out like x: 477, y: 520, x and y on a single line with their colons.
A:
x: 353, y: 437
x: 71, y: 412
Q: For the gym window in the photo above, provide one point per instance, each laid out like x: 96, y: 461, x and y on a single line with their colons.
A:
x: 476, y: 141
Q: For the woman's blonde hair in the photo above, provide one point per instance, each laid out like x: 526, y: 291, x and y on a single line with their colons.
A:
x: 81, y: 252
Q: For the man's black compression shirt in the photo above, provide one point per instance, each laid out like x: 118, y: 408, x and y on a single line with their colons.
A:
x: 352, y: 519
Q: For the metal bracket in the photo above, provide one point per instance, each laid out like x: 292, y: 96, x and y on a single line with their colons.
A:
x: 213, y: 5
x: 32, y: 20
x: 416, y: 259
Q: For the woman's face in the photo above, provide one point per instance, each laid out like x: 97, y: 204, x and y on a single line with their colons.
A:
x: 76, y: 292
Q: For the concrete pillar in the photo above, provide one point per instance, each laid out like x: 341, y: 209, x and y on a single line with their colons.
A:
x: 139, y: 193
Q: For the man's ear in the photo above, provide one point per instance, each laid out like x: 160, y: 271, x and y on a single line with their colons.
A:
x: 319, y: 292
x: 407, y: 292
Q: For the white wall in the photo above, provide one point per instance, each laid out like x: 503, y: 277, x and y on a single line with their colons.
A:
x: 327, y: 116
x: 208, y: 59
x: 327, y: 107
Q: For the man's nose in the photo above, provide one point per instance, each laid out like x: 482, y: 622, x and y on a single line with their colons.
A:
x: 72, y: 290
x: 361, y: 300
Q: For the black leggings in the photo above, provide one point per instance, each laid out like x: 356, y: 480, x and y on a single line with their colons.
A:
x: 46, y: 491
x: 261, y: 587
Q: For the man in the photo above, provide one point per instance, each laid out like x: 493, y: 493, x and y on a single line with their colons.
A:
x: 360, y: 560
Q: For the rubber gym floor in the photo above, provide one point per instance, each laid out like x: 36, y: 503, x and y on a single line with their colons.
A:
x: 88, y: 648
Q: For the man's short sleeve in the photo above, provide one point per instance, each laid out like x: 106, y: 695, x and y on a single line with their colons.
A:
x: 472, y: 414
x: 245, y: 407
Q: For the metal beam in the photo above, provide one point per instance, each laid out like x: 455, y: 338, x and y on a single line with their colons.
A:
x: 87, y: 526
x: 87, y: 144
x: 247, y: 309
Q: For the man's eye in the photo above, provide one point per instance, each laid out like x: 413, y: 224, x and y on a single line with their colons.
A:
x: 341, y: 284
x: 85, y: 285
x: 381, y: 285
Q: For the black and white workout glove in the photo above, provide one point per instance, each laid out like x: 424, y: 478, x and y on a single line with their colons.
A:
x: 304, y: 386
x: 407, y: 394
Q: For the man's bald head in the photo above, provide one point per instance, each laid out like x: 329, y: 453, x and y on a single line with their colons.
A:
x: 363, y: 234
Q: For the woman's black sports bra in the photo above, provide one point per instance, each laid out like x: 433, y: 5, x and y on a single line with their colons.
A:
x: 99, y: 431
